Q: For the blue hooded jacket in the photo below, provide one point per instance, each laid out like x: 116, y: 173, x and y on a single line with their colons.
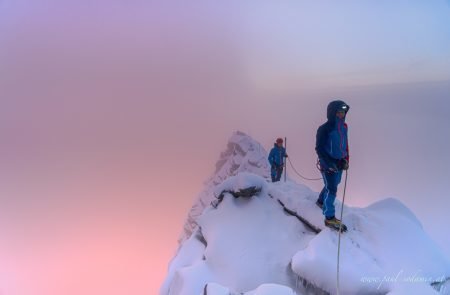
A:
x: 276, y: 155
x: 331, y: 139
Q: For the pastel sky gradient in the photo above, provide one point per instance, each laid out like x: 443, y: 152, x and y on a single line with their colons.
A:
x: 113, y: 113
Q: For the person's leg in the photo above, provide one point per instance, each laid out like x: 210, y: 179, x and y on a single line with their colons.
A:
x: 338, y: 177
x: 273, y: 174
x: 331, y: 182
x: 321, y: 195
x: 324, y: 192
x: 279, y: 173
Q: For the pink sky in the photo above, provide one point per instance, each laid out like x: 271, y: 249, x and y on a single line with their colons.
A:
x: 113, y: 114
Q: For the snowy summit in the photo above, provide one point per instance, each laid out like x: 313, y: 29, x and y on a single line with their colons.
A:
x: 246, y: 235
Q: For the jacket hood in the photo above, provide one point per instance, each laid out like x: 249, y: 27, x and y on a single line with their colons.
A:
x: 333, y: 107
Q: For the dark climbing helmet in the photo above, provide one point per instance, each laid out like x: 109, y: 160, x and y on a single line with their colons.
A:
x: 279, y: 140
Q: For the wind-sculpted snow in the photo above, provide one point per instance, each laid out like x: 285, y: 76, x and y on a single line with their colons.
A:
x: 243, y: 154
x: 237, y: 236
x: 385, y: 248
x: 250, y: 245
x: 243, y: 181
x: 265, y: 289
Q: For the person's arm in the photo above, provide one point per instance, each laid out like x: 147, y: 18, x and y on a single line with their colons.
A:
x: 348, y: 155
x: 321, y: 141
x: 271, y: 157
x: 346, y: 143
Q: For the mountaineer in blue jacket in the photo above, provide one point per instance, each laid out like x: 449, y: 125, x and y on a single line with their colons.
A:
x: 332, y: 150
x: 276, y: 160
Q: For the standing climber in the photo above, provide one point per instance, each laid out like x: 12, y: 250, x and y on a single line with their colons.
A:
x: 276, y: 160
x: 332, y: 150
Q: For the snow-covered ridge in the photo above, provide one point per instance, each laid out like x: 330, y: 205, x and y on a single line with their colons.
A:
x: 252, y: 246
x: 242, y: 154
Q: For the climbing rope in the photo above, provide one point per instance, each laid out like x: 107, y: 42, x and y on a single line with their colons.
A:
x: 340, y: 226
x: 339, y: 239
x: 295, y: 170
x: 285, y: 149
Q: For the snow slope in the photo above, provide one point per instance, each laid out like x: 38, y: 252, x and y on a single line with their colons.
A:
x: 241, y: 154
x: 252, y: 246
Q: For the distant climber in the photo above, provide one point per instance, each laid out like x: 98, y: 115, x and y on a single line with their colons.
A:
x: 332, y: 150
x: 276, y: 160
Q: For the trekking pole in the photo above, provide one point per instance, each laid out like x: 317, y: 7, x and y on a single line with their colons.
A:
x: 339, y: 239
x: 285, y: 162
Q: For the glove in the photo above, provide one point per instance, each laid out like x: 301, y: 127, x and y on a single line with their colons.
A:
x: 343, y: 164
x: 285, y: 155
